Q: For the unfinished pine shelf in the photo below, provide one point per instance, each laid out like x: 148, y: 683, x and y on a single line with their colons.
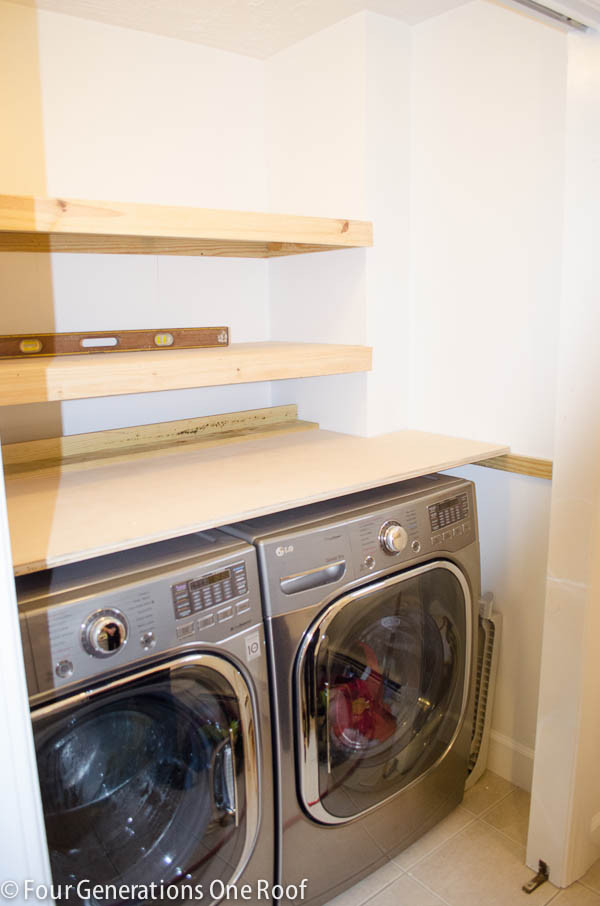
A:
x: 63, y: 512
x: 30, y: 224
x: 79, y: 377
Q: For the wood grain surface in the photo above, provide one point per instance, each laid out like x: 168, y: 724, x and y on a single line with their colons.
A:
x: 29, y: 223
x: 78, y: 377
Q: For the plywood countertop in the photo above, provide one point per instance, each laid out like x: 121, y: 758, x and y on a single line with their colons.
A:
x: 64, y: 515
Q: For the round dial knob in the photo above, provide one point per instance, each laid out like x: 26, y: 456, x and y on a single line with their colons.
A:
x: 393, y: 537
x: 104, y: 633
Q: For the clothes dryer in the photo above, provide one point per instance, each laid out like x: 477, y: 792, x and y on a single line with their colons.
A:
x: 370, y: 607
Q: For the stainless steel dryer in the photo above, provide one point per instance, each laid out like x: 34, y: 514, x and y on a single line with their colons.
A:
x: 149, y: 699
x: 371, y: 618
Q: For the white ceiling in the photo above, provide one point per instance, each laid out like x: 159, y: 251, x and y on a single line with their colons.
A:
x: 257, y: 28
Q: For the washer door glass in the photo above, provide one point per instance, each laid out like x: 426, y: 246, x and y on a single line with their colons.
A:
x: 385, y: 684
x: 150, y: 779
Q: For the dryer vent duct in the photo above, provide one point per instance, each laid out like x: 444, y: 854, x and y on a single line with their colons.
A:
x: 490, y: 625
x: 542, y: 10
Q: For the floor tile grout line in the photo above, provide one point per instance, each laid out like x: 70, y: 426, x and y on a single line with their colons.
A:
x: 381, y: 889
x: 552, y: 898
x: 490, y: 807
x: 587, y: 886
x: 439, y: 846
x: 506, y: 836
x: 429, y: 890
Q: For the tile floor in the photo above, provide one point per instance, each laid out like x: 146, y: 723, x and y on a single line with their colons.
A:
x: 475, y: 857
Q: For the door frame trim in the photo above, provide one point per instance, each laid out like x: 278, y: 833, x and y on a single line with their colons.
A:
x: 306, y: 712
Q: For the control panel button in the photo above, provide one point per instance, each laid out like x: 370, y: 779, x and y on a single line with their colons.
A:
x: 185, y: 631
x: 436, y: 539
x: 225, y: 614
x: 416, y: 546
x: 242, y: 607
x: 369, y: 562
x: 64, y: 669
x: 446, y: 536
x: 458, y: 530
x: 104, y: 633
x: 206, y: 621
x: 147, y: 640
x: 393, y: 538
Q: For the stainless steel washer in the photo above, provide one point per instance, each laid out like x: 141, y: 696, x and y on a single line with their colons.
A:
x: 370, y: 614
x: 148, y: 686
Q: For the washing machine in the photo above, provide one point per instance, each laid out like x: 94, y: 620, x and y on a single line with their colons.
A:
x: 148, y: 687
x: 371, y: 618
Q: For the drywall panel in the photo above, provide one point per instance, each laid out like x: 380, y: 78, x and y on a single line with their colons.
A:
x: 134, y: 116
x: 315, y: 126
x: 315, y: 145
x: 487, y: 218
x: 387, y: 187
x: 338, y: 139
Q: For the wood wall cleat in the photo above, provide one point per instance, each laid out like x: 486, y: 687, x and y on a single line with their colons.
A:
x: 86, y: 451
x: 520, y: 465
x: 27, y: 346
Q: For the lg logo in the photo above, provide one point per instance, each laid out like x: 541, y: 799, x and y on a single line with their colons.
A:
x: 281, y: 551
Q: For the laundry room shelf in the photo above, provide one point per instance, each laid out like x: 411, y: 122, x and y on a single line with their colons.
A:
x: 31, y: 224
x: 62, y: 515
x: 100, y: 374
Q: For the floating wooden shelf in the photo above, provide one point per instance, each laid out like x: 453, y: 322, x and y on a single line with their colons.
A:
x: 66, y: 225
x: 78, y: 377
x: 61, y: 514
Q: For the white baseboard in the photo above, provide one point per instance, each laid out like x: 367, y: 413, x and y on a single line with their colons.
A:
x: 511, y: 760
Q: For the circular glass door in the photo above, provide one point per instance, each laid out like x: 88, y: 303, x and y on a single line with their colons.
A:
x: 150, y: 779
x: 383, y: 685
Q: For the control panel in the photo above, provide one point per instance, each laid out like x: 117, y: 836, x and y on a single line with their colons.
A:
x: 209, y: 590
x: 447, y: 512
x: 392, y: 529
x: 76, y: 633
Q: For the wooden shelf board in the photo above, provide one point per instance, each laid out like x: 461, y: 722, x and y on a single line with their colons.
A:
x: 109, y: 374
x: 30, y: 223
x: 68, y: 515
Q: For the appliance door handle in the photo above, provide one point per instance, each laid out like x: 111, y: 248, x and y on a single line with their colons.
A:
x: 225, y: 791
x: 313, y: 578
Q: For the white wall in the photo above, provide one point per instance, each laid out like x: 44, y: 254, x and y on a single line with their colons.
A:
x: 337, y: 145
x: 130, y: 115
x: 565, y: 816
x: 315, y: 143
x: 487, y: 171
